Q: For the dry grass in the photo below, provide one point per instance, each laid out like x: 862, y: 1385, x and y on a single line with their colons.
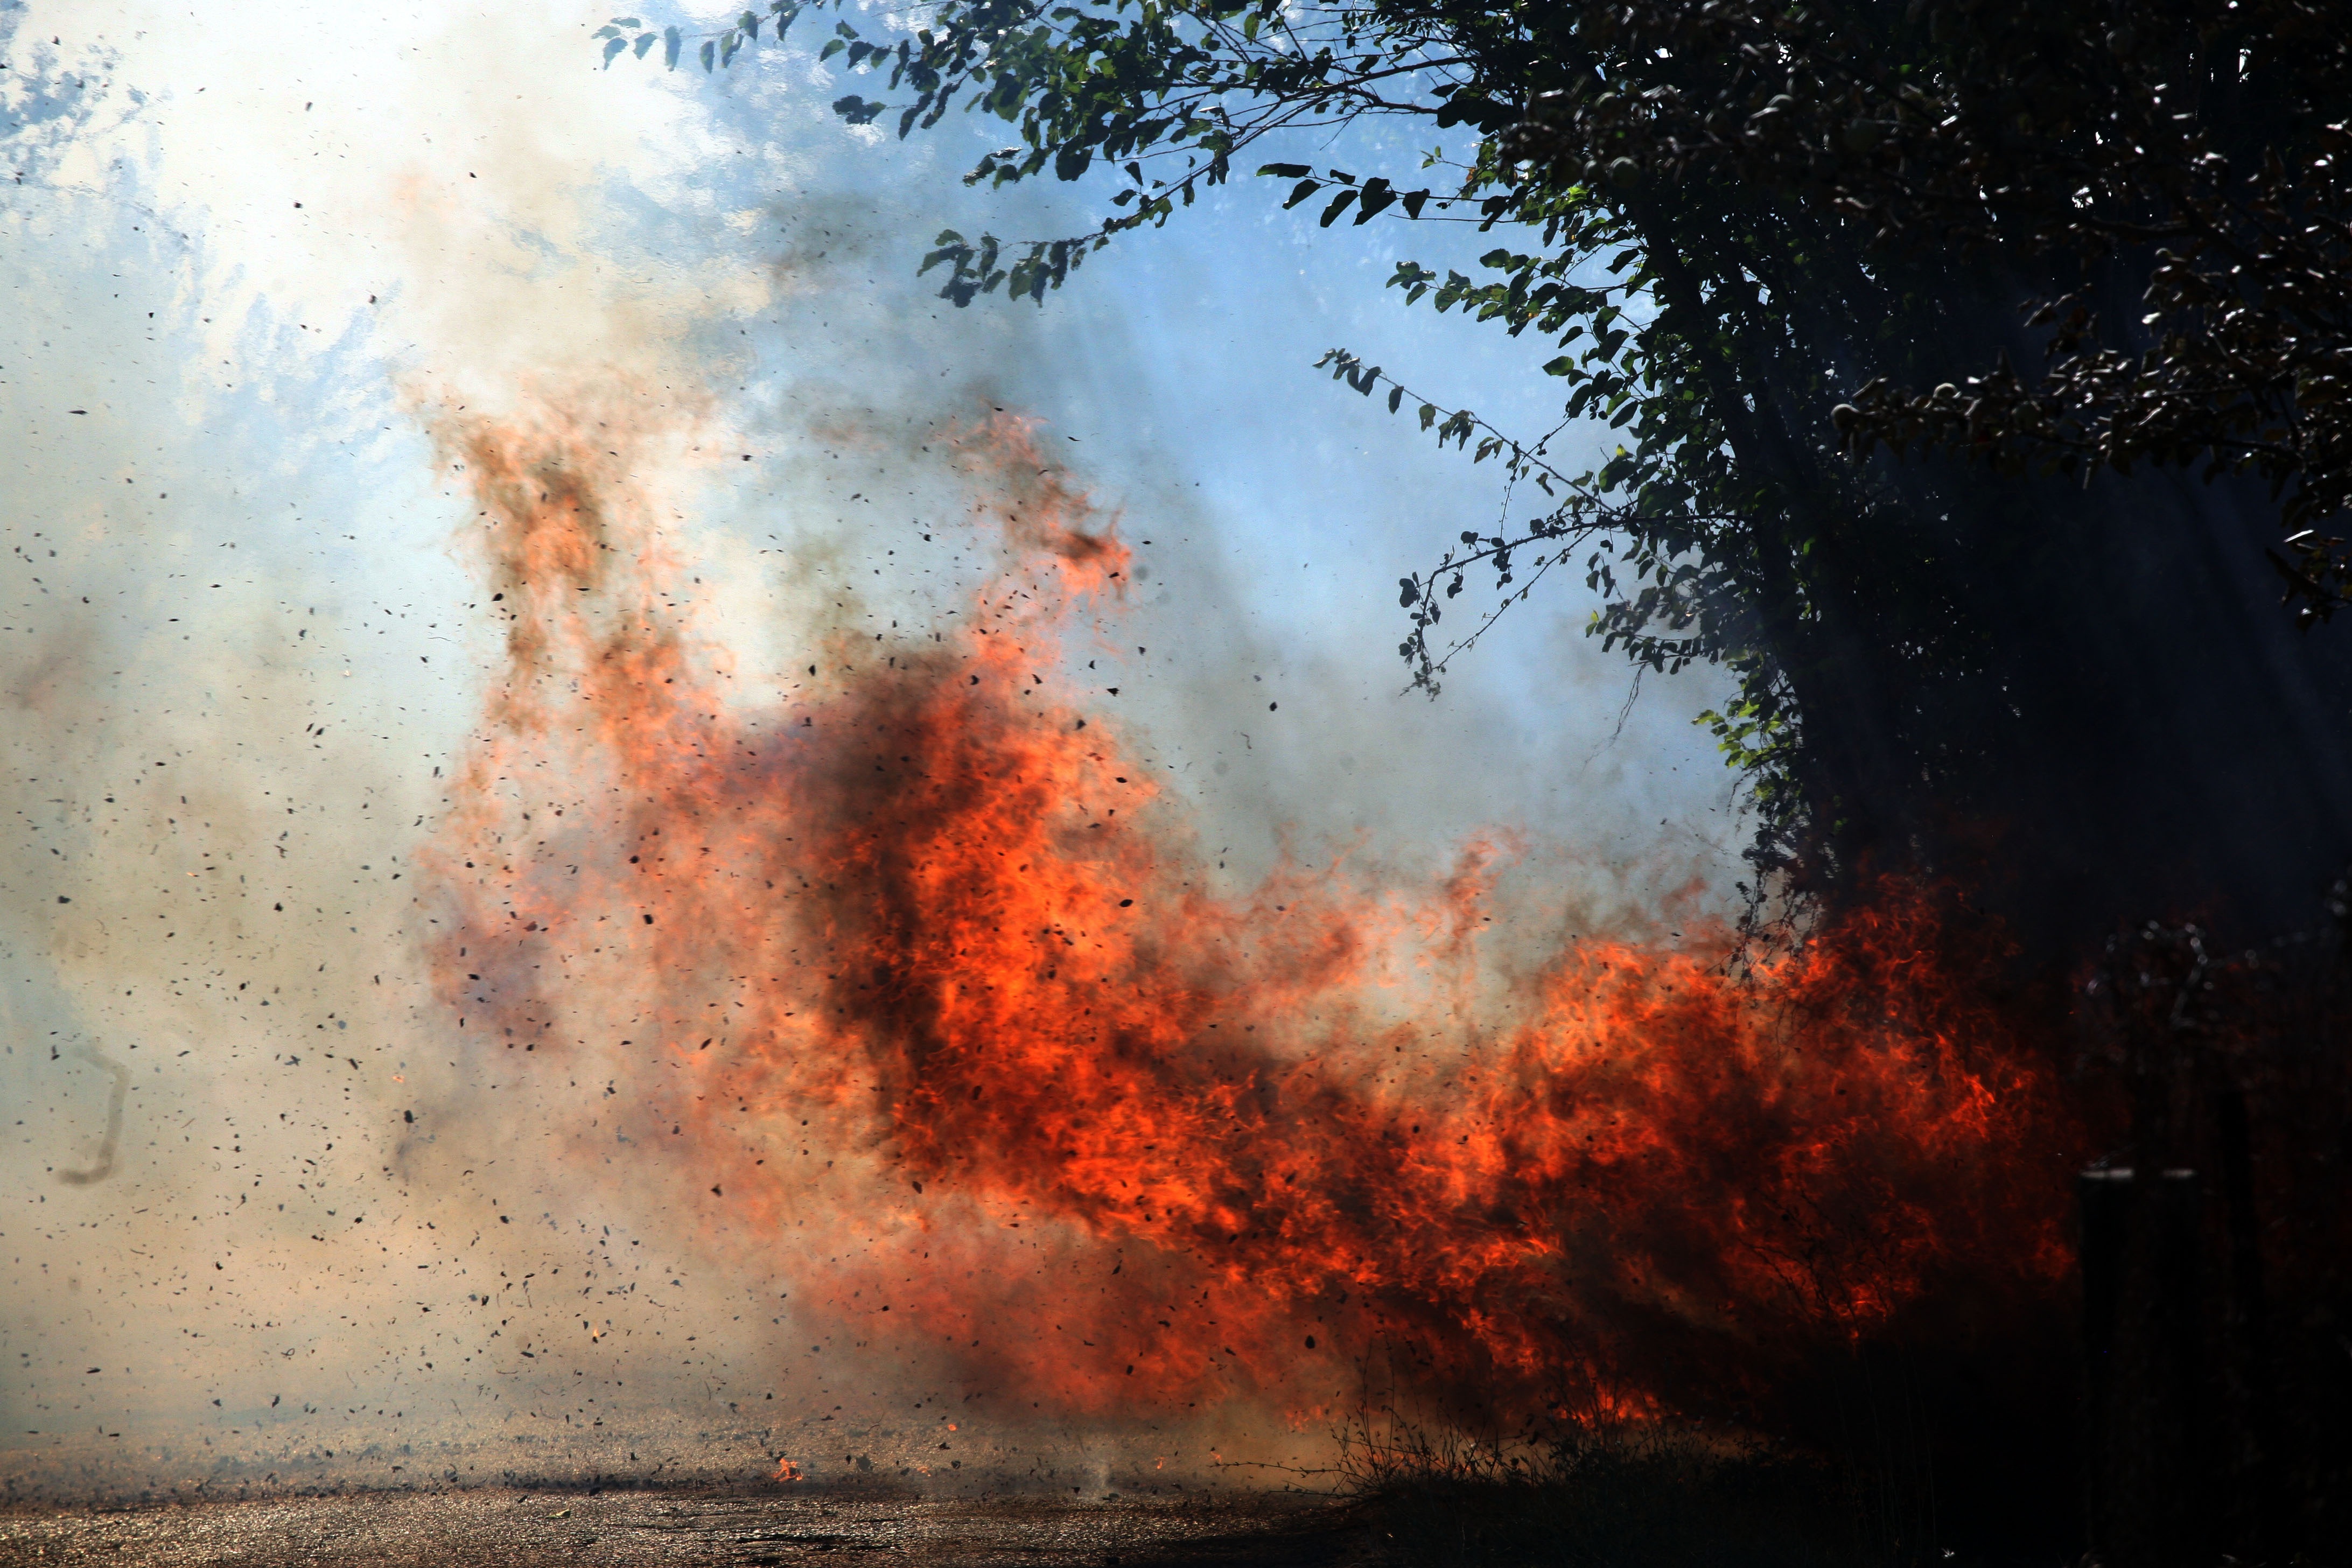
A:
x: 1597, y: 1496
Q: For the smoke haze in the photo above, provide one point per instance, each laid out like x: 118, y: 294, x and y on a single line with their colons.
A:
x: 273, y: 1220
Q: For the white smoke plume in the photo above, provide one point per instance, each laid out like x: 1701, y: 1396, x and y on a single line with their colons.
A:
x: 266, y: 1222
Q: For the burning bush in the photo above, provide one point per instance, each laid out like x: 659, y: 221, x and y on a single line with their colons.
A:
x: 1138, y: 1144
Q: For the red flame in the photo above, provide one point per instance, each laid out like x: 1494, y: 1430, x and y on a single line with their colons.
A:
x: 1145, y: 1143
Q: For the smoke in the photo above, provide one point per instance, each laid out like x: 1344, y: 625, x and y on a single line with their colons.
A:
x: 277, y: 1223
x: 899, y: 982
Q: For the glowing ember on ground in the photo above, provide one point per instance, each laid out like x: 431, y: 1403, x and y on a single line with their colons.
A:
x: 936, y: 1000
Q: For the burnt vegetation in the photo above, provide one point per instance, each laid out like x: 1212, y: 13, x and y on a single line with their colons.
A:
x: 1968, y: 381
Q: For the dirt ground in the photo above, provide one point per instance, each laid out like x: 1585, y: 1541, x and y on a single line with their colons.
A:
x: 584, y: 1529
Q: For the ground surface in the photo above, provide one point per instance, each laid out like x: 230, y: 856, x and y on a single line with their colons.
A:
x: 579, y: 1529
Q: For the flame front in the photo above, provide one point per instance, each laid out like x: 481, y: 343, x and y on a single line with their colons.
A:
x: 1130, y: 1143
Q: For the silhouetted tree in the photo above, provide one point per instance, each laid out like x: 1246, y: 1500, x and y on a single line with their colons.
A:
x: 1774, y: 251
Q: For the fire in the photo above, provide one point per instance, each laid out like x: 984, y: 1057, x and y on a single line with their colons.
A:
x: 786, y: 1472
x: 1135, y: 1141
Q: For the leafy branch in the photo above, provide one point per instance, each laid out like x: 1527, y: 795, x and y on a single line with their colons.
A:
x: 1134, y: 84
x: 1583, y: 513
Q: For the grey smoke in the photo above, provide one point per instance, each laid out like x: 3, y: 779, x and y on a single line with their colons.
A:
x: 242, y: 643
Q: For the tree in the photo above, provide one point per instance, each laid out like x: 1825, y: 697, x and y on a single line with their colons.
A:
x: 1753, y: 235
x: 1978, y: 377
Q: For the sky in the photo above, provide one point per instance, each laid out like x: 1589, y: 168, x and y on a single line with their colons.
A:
x: 255, y: 271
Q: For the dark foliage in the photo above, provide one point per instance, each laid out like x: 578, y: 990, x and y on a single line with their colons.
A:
x: 2217, y: 1248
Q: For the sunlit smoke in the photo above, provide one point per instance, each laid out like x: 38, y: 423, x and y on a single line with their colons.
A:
x: 300, y: 1208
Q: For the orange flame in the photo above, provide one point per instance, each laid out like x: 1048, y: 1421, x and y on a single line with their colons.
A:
x: 1145, y: 1143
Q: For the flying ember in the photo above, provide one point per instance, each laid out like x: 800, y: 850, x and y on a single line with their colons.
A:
x: 913, y: 976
